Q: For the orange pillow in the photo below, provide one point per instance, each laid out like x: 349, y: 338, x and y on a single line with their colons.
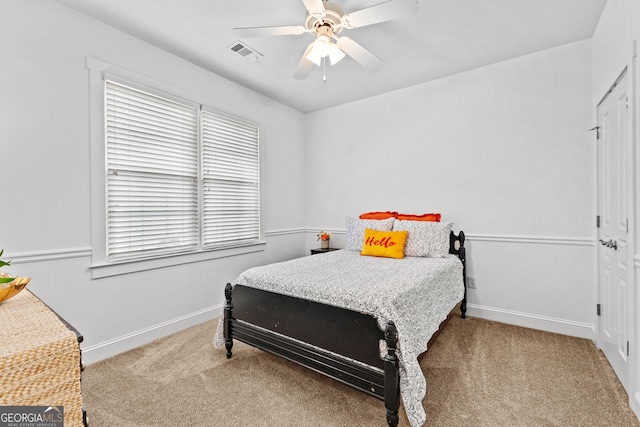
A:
x: 388, y: 244
x: 378, y: 215
x: 433, y: 217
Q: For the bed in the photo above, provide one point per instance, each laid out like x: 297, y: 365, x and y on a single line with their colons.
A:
x: 361, y: 320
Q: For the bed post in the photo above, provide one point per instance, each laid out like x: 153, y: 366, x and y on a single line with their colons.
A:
x: 463, y: 257
x: 391, y: 375
x: 456, y: 247
x: 228, y: 339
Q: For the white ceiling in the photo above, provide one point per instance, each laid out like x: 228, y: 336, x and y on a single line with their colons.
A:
x: 445, y: 37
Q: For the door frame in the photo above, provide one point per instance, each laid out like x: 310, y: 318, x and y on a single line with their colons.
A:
x: 634, y: 224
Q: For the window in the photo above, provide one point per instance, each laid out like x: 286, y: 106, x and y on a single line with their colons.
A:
x: 230, y: 175
x: 179, y: 178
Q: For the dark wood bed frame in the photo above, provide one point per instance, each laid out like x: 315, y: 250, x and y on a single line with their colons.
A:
x: 324, y: 338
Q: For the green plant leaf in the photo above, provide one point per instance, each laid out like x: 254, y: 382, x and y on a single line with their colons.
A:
x: 6, y: 279
x: 3, y: 263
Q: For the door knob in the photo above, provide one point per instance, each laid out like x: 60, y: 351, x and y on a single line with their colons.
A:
x: 610, y: 244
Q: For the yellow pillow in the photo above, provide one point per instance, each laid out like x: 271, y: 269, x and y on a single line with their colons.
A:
x: 389, y: 244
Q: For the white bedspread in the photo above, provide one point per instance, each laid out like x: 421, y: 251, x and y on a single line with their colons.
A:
x: 417, y: 294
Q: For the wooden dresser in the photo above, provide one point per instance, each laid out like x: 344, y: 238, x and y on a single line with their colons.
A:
x: 40, y: 359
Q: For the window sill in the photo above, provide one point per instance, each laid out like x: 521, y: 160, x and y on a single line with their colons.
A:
x: 99, y: 271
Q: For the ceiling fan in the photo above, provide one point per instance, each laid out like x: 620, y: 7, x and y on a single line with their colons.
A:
x: 325, y: 20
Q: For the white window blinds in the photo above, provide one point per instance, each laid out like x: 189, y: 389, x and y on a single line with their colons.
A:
x: 179, y: 179
x: 152, y: 182
x: 231, y: 180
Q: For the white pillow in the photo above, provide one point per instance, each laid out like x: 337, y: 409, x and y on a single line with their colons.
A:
x: 426, y: 238
x: 355, y: 230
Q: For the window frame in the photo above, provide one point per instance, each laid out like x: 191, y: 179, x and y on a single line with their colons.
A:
x: 100, y: 265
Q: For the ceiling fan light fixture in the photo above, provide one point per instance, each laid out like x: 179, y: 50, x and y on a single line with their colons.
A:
x: 321, y: 48
x: 335, y: 54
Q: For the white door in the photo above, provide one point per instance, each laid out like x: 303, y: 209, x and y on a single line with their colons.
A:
x: 613, y: 268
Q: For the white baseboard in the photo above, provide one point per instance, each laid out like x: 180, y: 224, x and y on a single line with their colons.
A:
x: 634, y: 402
x: 95, y: 353
x: 543, y: 323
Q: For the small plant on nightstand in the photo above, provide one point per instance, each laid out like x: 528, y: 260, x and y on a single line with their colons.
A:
x: 324, y: 238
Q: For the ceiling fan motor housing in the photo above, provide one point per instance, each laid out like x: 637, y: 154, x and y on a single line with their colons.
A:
x: 332, y: 18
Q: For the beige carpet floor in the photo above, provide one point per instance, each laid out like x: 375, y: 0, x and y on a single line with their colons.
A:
x: 479, y: 373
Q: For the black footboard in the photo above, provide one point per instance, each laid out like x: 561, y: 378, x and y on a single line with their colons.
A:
x: 342, y: 344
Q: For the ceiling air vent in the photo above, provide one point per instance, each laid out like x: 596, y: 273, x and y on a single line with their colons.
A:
x: 245, y: 51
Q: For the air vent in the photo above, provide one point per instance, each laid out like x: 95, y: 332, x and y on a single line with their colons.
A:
x: 245, y: 51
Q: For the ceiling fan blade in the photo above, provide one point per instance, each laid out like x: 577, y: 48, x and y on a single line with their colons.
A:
x: 269, y: 31
x: 361, y: 55
x: 314, y: 7
x: 304, y: 66
x: 387, y: 11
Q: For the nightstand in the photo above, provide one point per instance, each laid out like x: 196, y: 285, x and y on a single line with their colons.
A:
x: 322, y: 251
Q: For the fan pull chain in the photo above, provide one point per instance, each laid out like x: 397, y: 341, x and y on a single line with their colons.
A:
x: 324, y: 69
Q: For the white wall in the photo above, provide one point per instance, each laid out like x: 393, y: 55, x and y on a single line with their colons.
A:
x: 503, y: 152
x: 613, y: 50
x: 45, y: 151
x: 613, y: 43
